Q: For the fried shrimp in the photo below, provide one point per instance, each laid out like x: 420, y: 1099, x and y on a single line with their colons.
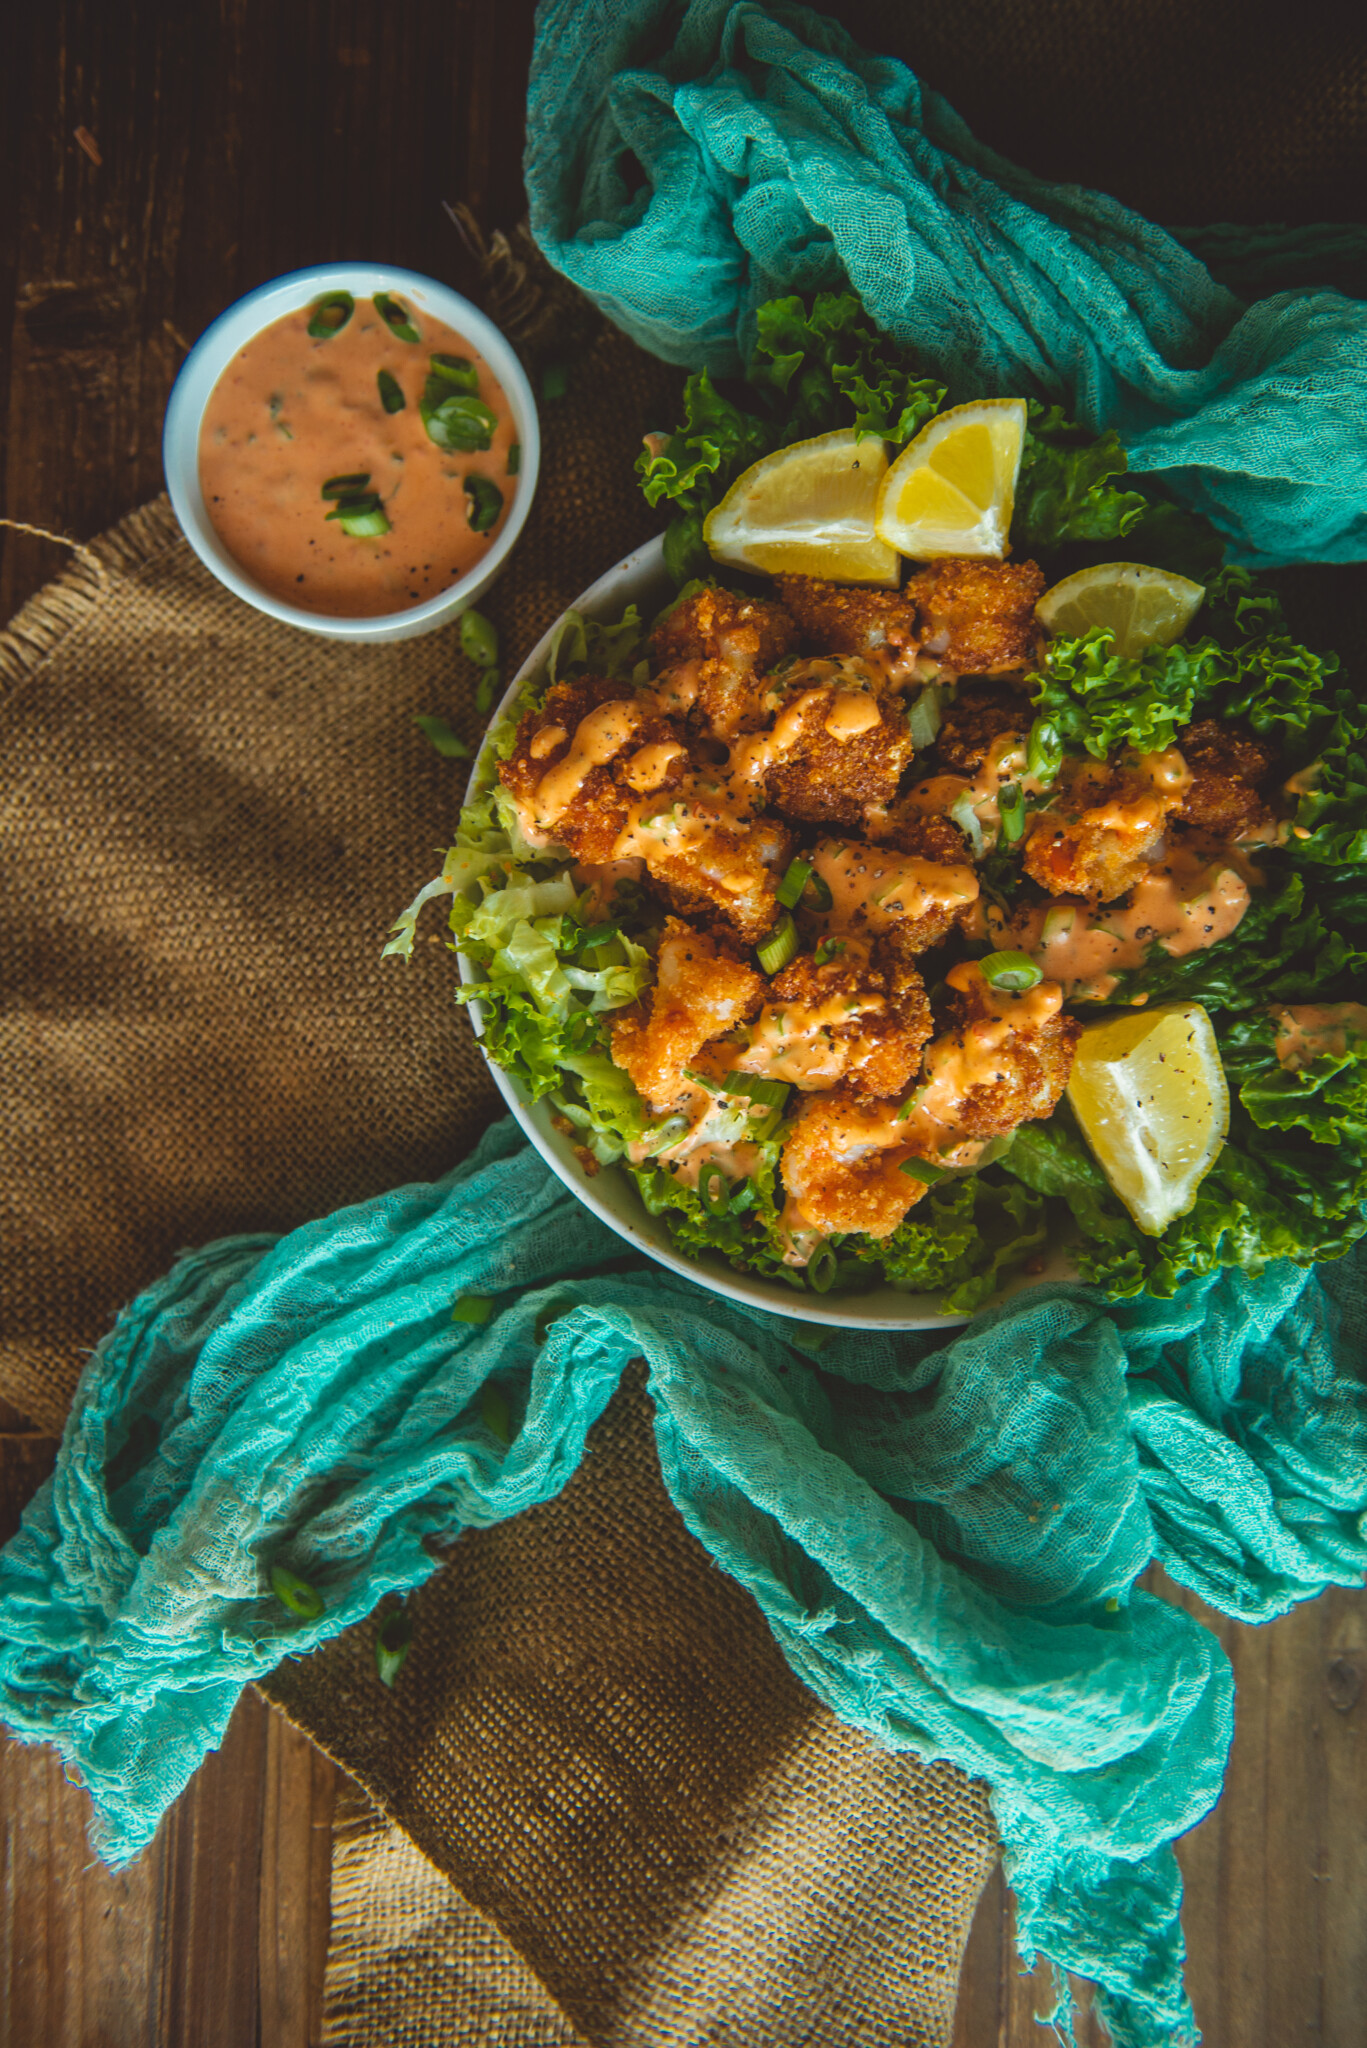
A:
x: 702, y: 989
x: 834, y: 619
x: 978, y: 618
x: 1005, y: 1061
x: 580, y: 763
x: 839, y: 746
x: 1106, y: 826
x: 860, y: 1017
x: 712, y: 649
x: 1231, y: 776
x: 973, y: 724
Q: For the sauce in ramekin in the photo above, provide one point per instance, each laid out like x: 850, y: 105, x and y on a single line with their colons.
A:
x: 306, y: 421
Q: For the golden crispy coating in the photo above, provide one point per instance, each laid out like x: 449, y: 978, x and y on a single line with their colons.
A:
x: 1102, y: 832
x: 1005, y: 1061
x: 860, y: 1018
x: 1231, y: 775
x: 978, y: 618
x: 727, y: 642
x: 834, y: 619
x: 727, y: 877
x: 702, y: 989
x: 618, y: 775
x: 977, y: 717
x: 842, y: 1165
x: 845, y: 746
x: 928, y: 837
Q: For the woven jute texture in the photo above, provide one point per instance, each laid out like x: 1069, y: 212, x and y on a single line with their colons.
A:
x: 632, y: 1824
x: 597, y: 1737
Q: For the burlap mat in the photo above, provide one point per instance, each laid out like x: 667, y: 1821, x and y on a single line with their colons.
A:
x: 661, y: 1838
x: 208, y: 822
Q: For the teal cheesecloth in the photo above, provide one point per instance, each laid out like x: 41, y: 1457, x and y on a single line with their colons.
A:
x: 943, y: 1534
x: 777, y: 156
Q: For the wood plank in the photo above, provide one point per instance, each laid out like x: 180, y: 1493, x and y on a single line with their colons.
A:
x: 296, y: 1872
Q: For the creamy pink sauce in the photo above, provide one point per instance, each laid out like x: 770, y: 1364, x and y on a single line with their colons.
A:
x: 291, y: 411
x: 1306, y: 1031
x: 1185, y: 905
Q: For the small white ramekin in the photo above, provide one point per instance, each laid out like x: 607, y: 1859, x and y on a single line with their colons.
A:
x: 232, y: 330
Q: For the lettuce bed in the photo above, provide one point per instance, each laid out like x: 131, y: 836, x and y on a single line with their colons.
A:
x: 1291, y: 1182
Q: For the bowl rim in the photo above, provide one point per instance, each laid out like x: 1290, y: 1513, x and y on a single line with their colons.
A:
x: 248, y: 317
x: 645, y: 565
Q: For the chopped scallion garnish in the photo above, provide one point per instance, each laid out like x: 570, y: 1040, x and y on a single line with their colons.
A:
x: 772, y: 1093
x: 822, y: 1269
x: 295, y: 1593
x: 715, y: 1191
x: 827, y: 951
x: 1011, y: 805
x: 1012, y: 973
x: 494, y: 1412
x: 793, y: 883
x: 392, y: 1645
x: 1044, y: 751
x: 448, y: 743
x: 469, y: 1308
x: 484, y: 502
x: 330, y: 315
x: 396, y: 318
x: 455, y: 419
x: 923, y: 719
x: 780, y: 946
x: 478, y: 639
x: 924, y: 1170
x: 484, y: 690
x: 391, y: 391
x: 456, y: 371
x: 514, y: 458
x: 344, y: 486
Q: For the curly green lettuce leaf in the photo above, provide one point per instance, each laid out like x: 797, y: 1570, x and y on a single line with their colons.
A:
x: 1331, y: 818
x: 1097, y: 701
x: 1326, y: 1095
x: 1063, y: 492
x: 961, y: 1242
x: 693, y: 467
x: 580, y: 644
x: 746, y: 1234
x: 827, y: 367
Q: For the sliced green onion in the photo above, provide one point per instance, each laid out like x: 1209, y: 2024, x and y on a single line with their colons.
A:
x: 344, y: 486
x: 1011, y: 805
x: 780, y: 946
x: 391, y: 391
x: 472, y: 1308
x: 448, y: 743
x: 455, y: 420
x: 923, y: 719
x: 924, y: 1170
x: 297, y: 1594
x: 773, y: 1093
x: 913, y: 1101
x: 514, y: 458
x: 457, y: 371
x: 761, y: 1129
x: 968, y: 822
x: 1043, y: 751
x: 554, y: 380
x: 827, y: 950
x: 715, y: 1190
x: 793, y: 883
x: 392, y: 1645
x: 1011, y: 972
x: 493, y: 1412
x: 822, y: 1269
x: 743, y: 1198
x: 701, y: 1080
x: 396, y: 318
x: 366, y: 524
x: 479, y: 639
x: 807, y: 1336
x: 1058, y: 922
x: 485, y: 502
x: 484, y: 690
x: 820, y: 891
x: 330, y: 315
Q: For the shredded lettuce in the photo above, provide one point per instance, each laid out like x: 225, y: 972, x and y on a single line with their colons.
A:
x: 746, y: 1235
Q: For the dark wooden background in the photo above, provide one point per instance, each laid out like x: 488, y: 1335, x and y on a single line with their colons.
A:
x: 221, y: 144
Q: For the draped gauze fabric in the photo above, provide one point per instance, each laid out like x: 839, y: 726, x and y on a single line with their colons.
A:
x: 683, y: 170
x: 943, y: 1537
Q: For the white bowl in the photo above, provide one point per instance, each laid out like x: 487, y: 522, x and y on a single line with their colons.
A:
x: 640, y: 579
x: 232, y: 330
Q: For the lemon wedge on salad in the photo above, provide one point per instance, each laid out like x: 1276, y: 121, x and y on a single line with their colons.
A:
x: 951, y: 491
x: 1142, y: 607
x: 807, y: 510
x: 1151, y: 1097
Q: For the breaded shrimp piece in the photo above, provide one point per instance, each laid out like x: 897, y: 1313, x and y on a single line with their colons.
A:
x: 875, y: 889
x: 580, y: 763
x: 842, y: 1167
x: 712, y: 649
x: 861, y: 1018
x: 838, y: 746
x: 1231, y: 776
x: 974, y: 722
x: 978, y: 618
x: 728, y: 872
x: 1106, y: 826
x: 835, y: 619
x: 1005, y: 1061
x: 701, y: 990
x: 919, y: 832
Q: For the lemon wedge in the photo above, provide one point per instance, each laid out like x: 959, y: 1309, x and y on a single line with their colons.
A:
x: 952, y: 489
x: 1143, y: 607
x: 1153, y: 1102
x: 807, y: 510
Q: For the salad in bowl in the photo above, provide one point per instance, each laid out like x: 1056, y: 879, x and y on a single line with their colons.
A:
x: 904, y: 893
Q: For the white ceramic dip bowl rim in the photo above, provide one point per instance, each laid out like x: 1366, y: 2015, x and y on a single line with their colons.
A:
x: 640, y: 578
x: 260, y: 309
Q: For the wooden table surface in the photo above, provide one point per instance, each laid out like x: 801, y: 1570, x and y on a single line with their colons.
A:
x: 159, y: 158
